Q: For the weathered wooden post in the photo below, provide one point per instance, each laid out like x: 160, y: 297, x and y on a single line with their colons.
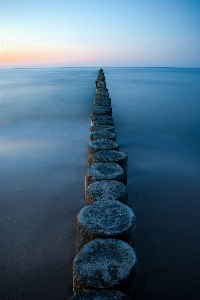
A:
x: 101, y: 112
x: 101, y: 127
x: 111, y: 156
x: 100, y: 144
x: 106, y: 264
x: 102, y: 135
x: 103, y: 171
x: 106, y: 189
x: 104, y: 107
x: 101, y: 118
x: 102, y: 121
x: 102, y: 102
x: 105, y: 219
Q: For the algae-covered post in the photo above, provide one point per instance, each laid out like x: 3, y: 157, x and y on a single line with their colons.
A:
x: 105, y: 219
x: 106, y: 189
x: 111, y: 156
x: 100, y: 144
x: 101, y: 127
x: 106, y: 264
x: 101, y: 117
x: 102, y: 121
x: 103, y: 134
x: 104, y: 171
x: 102, y: 102
x: 105, y: 108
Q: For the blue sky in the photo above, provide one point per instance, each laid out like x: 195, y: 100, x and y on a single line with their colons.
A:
x: 100, y: 33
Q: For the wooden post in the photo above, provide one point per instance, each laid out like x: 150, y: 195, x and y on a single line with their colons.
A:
x: 95, y: 117
x: 106, y: 264
x: 104, y: 107
x: 102, y: 102
x: 100, y: 144
x: 96, y: 135
x: 106, y: 189
x: 105, y: 219
x: 111, y: 156
x: 105, y: 121
x: 103, y: 171
x: 101, y: 127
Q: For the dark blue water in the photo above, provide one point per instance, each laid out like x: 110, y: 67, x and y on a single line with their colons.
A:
x: 44, y: 130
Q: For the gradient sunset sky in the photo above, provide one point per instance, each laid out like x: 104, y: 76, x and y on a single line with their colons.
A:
x: 91, y: 33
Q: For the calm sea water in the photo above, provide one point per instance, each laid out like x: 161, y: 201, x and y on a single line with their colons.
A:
x: 44, y: 130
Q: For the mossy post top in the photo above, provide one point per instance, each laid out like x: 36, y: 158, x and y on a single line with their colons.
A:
x: 103, y: 144
x: 103, y: 134
x: 101, y: 127
x: 106, y: 217
x: 109, y: 156
x: 105, y: 263
x: 107, y: 171
x: 107, y: 190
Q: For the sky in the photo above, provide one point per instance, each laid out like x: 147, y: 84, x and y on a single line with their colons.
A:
x: 91, y: 33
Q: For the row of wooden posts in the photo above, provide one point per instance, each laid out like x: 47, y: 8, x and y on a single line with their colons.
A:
x: 106, y: 264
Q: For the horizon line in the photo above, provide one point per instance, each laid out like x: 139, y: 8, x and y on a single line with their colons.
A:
x: 65, y: 67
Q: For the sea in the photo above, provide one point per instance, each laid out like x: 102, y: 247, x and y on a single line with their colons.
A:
x: 44, y: 132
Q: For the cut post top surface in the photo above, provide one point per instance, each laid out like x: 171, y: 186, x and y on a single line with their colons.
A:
x: 106, y: 171
x: 106, y: 263
x: 101, y: 117
x: 101, y: 127
x: 109, y: 156
x: 102, y: 122
x: 107, y: 189
x: 100, y: 112
x: 102, y: 135
x: 107, y: 218
x: 102, y: 144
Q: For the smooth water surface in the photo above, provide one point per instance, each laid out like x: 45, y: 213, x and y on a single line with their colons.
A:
x: 44, y: 130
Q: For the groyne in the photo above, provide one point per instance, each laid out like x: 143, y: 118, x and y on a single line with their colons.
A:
x: 106, y: 265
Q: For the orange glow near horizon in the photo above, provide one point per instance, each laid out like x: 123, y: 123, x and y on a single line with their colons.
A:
x: 21, y: 57
x: 44, y: 57
x: 32, y: 57
x: 52, y: 55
